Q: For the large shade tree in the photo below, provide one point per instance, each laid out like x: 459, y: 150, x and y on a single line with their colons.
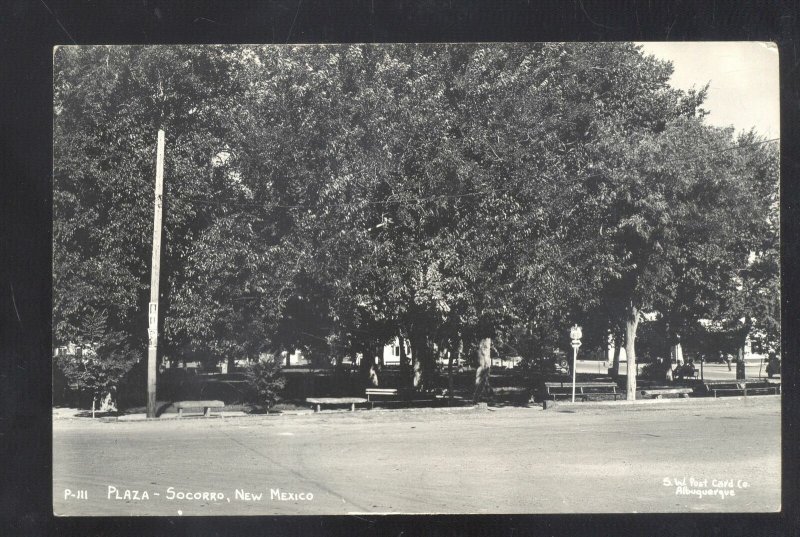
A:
x: 109, y: 103
x: 676, y: 214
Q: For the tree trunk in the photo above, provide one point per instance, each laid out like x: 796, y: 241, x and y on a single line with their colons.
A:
x: 631, y: 323
x: 367, y: 359
x: 373, y: 381
x: 374, y: 370
x: 107, y: 403
x: 484, y: 368
x: 421, y: 357
x: 742, y: 351
x: 455, y: 354
x: 615, y: 361
x: 404, y: 365
x: 745, y: 334
x: 417, y: 380
x: 231, y: 364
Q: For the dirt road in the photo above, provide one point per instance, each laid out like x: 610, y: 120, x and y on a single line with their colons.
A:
x: 685, y: 456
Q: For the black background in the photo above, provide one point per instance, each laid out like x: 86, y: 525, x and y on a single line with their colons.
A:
x: 30, y: 29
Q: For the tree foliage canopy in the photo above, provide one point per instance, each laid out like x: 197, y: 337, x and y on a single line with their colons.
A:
x: 332, y: 197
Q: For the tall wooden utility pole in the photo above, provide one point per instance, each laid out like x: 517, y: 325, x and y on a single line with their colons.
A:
x: 152, y: 330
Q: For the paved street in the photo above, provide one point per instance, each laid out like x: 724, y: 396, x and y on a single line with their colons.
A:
x: 509, y: 460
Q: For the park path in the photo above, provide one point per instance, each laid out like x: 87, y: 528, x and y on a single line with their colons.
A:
x: 612, y: 458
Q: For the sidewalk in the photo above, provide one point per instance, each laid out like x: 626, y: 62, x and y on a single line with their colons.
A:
x: 679, y: 401
x: 62, y: 414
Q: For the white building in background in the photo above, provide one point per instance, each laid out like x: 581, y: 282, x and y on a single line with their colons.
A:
x: 391, y: 351
x: 296, y: 357
x: 73, y: 349
x: 506, y: 361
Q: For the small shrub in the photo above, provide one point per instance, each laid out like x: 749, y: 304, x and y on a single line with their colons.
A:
x: 105, y: 358
x: 266, y: 380
x: 654, y: 371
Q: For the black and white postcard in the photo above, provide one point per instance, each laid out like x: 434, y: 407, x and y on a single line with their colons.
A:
x: 498, y: 278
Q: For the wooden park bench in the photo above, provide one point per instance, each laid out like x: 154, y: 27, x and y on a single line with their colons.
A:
x: 756, y: 387
x: 205, y: 405
x: 583, y: 390
x: 516, y: 394
x: 380, y: 392
x: 741, y: 387
x: 772, y: 382
x: 724, y: 387
x: 658, y: 393
x: 392, y: 397
x: 319, y: 402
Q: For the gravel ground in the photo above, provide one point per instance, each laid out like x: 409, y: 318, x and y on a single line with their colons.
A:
x: 572, y: 459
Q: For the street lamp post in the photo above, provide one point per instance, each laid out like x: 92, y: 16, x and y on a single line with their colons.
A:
x: 575, y: 334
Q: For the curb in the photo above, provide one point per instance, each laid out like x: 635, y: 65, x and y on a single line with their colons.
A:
x: 138, y: 418
x: 547, y: 405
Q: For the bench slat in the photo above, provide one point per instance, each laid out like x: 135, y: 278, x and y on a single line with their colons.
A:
x: 658, y: 393
x: 335, y: 400
x: 580, y: 384
x: 762, y: 389
x: 584, y: 396
x: 199, y: 404
x: 666, y: 390
x: 205, y: 405
x: 319, y: 401
x: 725, y: 390
x: 583, y: 390
x: 389, y: 392
x: 384, y: 392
